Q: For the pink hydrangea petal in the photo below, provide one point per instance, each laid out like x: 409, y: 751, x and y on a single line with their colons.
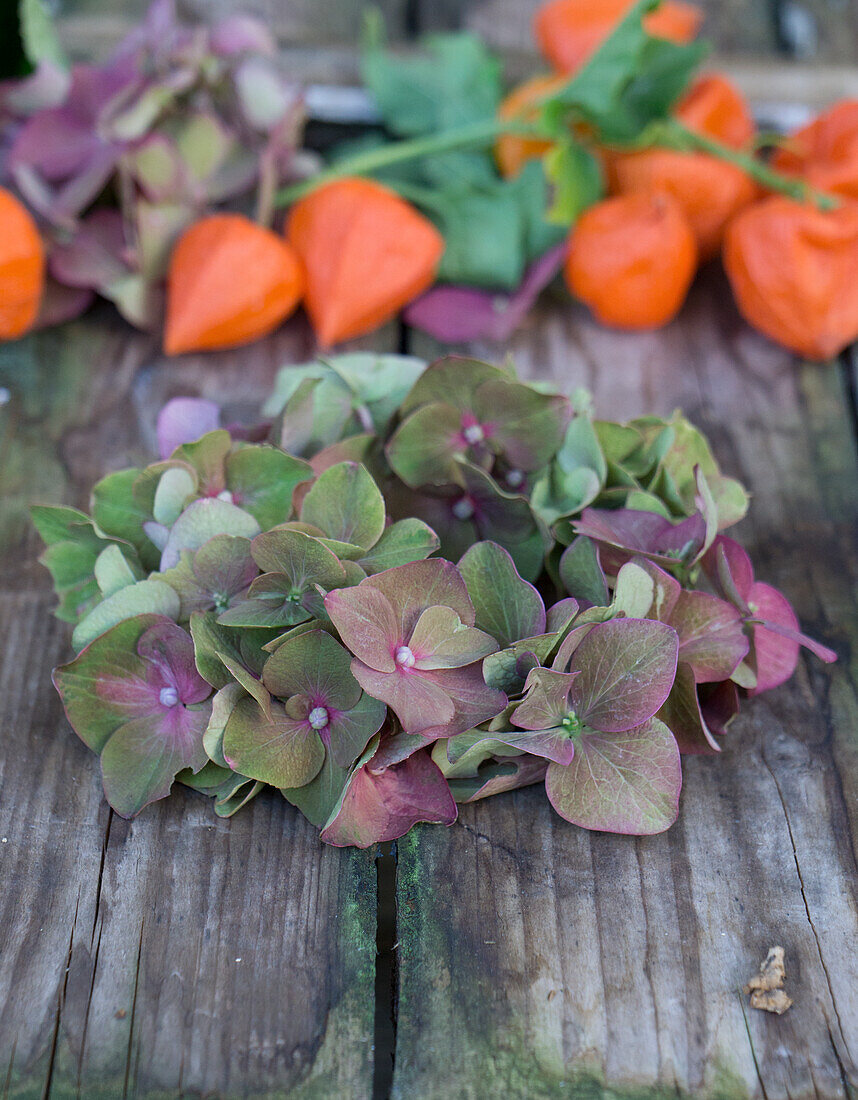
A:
x: 184, y: 420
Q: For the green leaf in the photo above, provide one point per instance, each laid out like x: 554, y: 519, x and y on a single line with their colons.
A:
x: 277, y: 750
x: 405, y: 541
x: 262, y: 481
x: 177, y: 487
x: 665, y: 70
x: 582, y: 574
x: 38, y: 34
x: 577, y: 179
x: 453, y: 82
x: 318, y: 799
x: 507, y: 607
x: 201, y: 521
x: 144, y: 597
x: 597, y: 86
x: 484, y: 234
x: 113, y: 571
x: 119, y: 512
x: 211, y: 639
x: 58, y: 523
x: 346, y: 504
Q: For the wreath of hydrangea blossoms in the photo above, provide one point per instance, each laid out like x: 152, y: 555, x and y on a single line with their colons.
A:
x: 419, y: 586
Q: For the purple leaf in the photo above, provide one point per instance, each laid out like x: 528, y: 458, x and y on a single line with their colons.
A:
x: 95, y: 257
x: 184, y: 420
x: 459, y: 314
x: 625, y: 532
x: 61, y: 304
x: 620, y: 782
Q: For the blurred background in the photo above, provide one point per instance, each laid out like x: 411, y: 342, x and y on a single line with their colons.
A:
x: 793, y: 54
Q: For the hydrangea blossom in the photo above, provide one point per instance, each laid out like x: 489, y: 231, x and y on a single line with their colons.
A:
x: 382, y: 626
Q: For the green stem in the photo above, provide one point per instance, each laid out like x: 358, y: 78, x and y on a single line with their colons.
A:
x: 675, y: 133
x: 473, y: 136
x: 671, y: 133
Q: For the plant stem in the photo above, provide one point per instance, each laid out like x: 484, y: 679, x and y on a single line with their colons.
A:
x: 671, y: 133
x: 682, y: 137
x: 475, y: 135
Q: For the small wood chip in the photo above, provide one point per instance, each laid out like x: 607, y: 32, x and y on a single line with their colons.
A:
x: 766, y: 988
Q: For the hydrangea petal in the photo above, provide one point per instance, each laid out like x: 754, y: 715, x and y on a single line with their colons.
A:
x: 383, y: 806
x: 627, y: 668
x: 620, y: 782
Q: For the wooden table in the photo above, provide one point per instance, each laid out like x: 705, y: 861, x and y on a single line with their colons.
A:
x: 180, y: 955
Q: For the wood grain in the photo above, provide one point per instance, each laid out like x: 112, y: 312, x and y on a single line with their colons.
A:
x: 178, y: 954
x: 545, y: 961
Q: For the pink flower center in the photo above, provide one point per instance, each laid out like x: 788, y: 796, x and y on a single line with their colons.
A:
x: 168, y: 697
x: 404, y: 657
x: 463, y: 508
x: 473, y: 434
x: 318, y: 718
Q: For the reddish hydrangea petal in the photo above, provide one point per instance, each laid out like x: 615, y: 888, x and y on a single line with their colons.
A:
x: 474, y: 702
x: 725, y: 554
x: 382, y: 806
x: 775, y: 656
x: 367, y: 624
x: 683, y: 715
x: 546, y: 699
x: 414, y: 587
x: 711, y: 636
x: 627, y: 668
x: 416, y: 701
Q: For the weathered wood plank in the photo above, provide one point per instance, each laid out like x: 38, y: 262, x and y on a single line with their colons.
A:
x: 177, y: 954
x: 545, y: 961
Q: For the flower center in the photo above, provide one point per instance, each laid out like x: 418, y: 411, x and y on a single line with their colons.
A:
x: 318, y: 718
x: 463, y: 508
x: 515, y: 479
x: 226, y: 495
x: 404, y: 657
x: 752, y: 607
x: 474, y: 434
x: 570, y: 723
x: 168, y: 696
